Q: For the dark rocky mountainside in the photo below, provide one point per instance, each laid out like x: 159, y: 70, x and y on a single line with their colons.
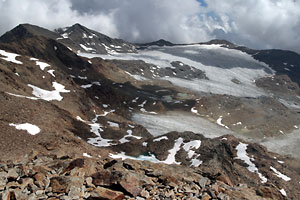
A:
x: 80, y: 38
x: 70, y: 125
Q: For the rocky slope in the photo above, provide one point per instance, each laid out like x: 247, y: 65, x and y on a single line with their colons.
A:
x: 68, y: 122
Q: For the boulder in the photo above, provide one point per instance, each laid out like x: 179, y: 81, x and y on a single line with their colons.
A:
x: 102, y: 193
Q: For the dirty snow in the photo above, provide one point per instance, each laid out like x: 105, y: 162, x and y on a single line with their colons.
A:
x: 49, y: 95
x: 242, y: 155
x: 179, y: 121
x: 30, y: 128
x: 11, y: 57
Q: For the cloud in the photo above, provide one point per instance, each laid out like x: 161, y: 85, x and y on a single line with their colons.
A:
x: 255, y: 23
x: 50, y: 14
x: 266, y: 24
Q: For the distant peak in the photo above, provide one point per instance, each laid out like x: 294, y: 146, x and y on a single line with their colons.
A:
x: 217, y: 41
x: 160, y: 42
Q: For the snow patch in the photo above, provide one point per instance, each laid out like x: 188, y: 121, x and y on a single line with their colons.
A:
x: 51, y: 72
x: 219, y: 122
x: 30, y: 128
x: 172, y: 152
x: 86, y: 155
x: 49, y: 95
x: 42, y: 65
x: 242, y: 155
x: 160, y: 138
x: 283, y: 192
x: 11, y: 57
x: 86, y: 48
x: 279, y: 174
x: 113, y: 124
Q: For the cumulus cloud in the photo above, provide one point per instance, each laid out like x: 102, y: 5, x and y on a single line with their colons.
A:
x: 50, y: 14
x: 266, y: 24
x: 255, y: 23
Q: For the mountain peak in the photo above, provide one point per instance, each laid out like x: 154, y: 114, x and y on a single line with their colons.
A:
x: 160, y: 42
x: 24, y: 31
x: 218, y: 41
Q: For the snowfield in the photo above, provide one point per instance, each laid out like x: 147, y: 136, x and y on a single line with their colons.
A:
x: 221, y: 66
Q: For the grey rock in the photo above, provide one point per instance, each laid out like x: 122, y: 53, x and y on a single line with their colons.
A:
x: 39, y: 192
x: 12, y: 173
x: 204, y: 182
x: 3, y: 179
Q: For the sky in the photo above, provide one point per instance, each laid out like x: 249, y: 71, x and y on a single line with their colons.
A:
x: 257, y: 24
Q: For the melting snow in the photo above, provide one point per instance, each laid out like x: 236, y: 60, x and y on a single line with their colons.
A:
x: 145, y: 111
x: 82, y: 77
x: 30, y: 128
x: 86, y: 86
x: 242, y: 155
x: 51, y: 72
x: 145, y: 144
x: 172, y: 152
x: 42, y: 65
x: 194, y: 110
x: 143, y: 104
x: 219, y: 121
x: 86, y: 48
x: 113, y: 124
x: 49, y: 95
x: 282, y: 191
x: 22, y: 96
x: 280, y: 175
x: 122, y: 155
x: 11, y: 57
x: 86, y: 155
x: 160, y: 138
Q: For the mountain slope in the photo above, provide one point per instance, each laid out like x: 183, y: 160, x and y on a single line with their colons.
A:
x: 73, y: 118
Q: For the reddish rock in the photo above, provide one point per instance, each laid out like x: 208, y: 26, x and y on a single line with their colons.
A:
x: 225, y: 179
x: 59, y: 184
x: 131, y: 183
x: 106, y: 194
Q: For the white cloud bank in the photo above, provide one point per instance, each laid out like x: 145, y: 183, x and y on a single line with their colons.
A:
x: 256, y: 23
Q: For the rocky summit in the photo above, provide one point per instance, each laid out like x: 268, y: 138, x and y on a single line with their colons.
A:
x: 86, y: 116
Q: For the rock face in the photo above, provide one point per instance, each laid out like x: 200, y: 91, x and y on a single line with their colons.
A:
x: 67, y: 129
